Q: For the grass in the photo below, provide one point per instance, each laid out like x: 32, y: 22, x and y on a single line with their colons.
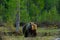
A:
x: 47, y: 30
x: 40, y: 30
x: 29, y: 38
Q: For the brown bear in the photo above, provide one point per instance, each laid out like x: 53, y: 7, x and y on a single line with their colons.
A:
x: 30, y: 29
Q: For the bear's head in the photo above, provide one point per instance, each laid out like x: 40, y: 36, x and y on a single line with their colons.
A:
x: 34, y: 26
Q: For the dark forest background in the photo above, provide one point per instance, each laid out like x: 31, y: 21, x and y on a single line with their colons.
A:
x: 38, y: 11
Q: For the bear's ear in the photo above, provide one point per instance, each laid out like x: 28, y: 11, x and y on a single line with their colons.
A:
x: 30, y: 23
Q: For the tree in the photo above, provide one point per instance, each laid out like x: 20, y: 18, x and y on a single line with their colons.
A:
x: 17, y: 15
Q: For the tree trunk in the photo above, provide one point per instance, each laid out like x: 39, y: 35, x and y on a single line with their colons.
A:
x: 17, y: 15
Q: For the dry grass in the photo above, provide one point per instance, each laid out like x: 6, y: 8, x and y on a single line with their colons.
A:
x: 28, y: 38
x: 38, y: 37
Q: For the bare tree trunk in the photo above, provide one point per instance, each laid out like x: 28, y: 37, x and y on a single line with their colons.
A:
x: 17, y: 15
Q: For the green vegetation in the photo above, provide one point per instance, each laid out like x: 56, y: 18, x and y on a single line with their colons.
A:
x: 30, y: 10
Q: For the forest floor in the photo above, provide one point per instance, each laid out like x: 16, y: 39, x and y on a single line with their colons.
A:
x: 42, y: 34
